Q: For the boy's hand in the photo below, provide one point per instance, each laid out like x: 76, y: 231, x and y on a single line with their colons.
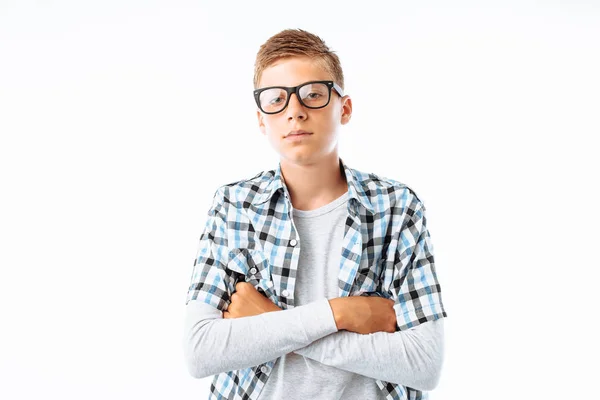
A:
x: 247, y: 301
x: 362, y: 314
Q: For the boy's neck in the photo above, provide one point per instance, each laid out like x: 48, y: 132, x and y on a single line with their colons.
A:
x: 314, y: 185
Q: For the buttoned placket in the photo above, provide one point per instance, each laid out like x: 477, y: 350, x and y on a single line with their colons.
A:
x: 292, y: 242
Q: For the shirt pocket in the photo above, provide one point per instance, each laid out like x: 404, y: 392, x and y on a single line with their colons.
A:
x: 368, y: 277
x: 252, y: 266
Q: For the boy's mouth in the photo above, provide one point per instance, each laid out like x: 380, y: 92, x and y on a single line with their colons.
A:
x: 297, y: 133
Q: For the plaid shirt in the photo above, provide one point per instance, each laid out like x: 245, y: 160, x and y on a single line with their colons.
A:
x: 386, y: 251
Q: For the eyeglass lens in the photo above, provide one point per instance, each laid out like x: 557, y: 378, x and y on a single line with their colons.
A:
x: 312, y: 95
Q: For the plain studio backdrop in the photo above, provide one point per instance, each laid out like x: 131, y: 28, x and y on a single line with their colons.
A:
x: 120, y: 119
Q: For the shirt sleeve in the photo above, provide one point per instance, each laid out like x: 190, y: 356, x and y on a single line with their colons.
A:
x: 213, y: 345
x: 411, y: 358
x: 411, y: 280
x: 210, y: 282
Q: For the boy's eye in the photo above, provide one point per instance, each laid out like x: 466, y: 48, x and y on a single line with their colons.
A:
x: 315, y: 93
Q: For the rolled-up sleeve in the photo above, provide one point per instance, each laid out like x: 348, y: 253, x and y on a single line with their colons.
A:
x: 413, y: 283
x: 210, y: 282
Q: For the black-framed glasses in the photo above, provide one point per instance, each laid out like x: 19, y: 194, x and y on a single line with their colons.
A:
x: 313, y: 94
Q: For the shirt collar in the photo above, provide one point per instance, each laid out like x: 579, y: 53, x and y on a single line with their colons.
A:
x: 355, y: 187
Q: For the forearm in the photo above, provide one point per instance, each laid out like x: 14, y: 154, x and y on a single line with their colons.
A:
x: 411, y: 357
x: 213, y: 344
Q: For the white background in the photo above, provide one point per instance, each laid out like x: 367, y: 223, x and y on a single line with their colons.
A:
x: 120, y: 119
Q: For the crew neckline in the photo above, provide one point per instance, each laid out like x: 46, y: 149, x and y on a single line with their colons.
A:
x: 317, y: 212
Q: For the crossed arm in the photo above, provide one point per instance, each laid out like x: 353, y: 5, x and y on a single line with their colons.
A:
x: 412, y: 357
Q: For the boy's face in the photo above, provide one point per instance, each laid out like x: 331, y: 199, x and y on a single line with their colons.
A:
x: 322, y: 123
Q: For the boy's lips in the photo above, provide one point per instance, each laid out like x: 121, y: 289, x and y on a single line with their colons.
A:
x: 297, y: 133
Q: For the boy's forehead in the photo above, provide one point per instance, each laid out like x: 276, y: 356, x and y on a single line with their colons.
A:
x: 293, y: 71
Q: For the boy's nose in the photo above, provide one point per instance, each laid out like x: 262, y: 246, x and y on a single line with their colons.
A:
x: 295, y: 110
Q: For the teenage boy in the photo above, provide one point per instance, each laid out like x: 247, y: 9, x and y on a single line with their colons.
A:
x: 313, y: 280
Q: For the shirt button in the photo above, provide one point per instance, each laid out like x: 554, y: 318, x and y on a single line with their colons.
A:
x: 293, y: 242
x: 264, y: 369
x: 253, y: 271
x: 285, y: 293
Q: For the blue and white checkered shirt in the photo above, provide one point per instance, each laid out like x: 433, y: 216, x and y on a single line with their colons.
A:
x: 386, y: 251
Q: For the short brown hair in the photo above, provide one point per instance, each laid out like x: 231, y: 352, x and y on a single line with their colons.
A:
x: 297, y: 43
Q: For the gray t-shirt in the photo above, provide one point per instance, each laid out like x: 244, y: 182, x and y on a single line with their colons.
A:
x: 321, y: 232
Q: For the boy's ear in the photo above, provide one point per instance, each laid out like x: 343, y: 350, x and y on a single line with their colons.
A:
x: 261, y: 122
x: 346, y: 110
